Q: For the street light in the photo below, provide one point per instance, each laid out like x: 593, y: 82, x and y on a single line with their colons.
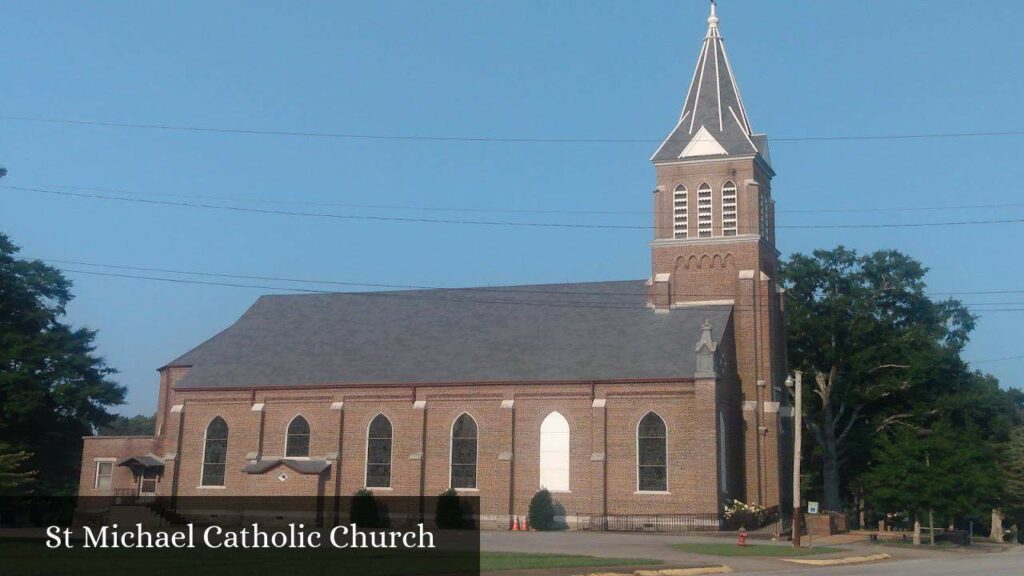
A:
x: 797, y: 387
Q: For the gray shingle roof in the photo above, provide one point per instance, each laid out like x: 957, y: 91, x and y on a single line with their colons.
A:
x: 300, y: 466
x: 713, y: 103
x: 560, y: 332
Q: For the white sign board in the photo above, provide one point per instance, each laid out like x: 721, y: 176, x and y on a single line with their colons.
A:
x: 812, y: 507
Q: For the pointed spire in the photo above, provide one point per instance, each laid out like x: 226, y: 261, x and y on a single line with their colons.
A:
x: 713, y: 122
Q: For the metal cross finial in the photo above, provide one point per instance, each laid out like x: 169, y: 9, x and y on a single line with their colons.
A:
x: 713, y: 19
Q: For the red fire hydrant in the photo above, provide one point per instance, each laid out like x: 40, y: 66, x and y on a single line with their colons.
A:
x: 742, y: 539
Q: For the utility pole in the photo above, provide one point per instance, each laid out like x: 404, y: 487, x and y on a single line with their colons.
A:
x: 797, y: 435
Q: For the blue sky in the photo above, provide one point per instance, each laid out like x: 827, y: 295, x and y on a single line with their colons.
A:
x: 594, y: 69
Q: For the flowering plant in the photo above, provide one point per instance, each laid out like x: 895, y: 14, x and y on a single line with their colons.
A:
x: 741, y: 515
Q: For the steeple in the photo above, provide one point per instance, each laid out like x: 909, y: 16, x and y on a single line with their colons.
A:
x: 713, y: 122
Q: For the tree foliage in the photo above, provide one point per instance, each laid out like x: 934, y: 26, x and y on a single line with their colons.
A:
x: 54, y: 389
x: 1012, y: 464
x: 886, y: 385
x: 14, y: 478
x: 137, y: 425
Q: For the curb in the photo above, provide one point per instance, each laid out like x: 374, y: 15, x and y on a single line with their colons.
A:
x: 671, y: 572
x: 838, y: 561
x: 685, y: 571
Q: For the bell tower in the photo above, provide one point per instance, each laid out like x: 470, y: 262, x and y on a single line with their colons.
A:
x: 714, y: 245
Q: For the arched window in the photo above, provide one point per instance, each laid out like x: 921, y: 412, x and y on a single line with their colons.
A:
x: 729, y: 209
x: 378, y: 453
x: 650, y: 454
x: 554, y: 453
x: 215, y: 451
x: 297, y: 439
x: 704, y: 211
x: 463, y: 471
x: 680, y: 224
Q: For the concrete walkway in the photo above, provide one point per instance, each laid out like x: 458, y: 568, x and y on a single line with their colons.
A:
x: 659, y: 547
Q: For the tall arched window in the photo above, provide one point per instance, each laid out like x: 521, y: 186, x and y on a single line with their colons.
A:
x: 705, y: 209
x: 215, y: 451
x: 729, y: 209
x: 680, y: 225
x: 651, y: 437
x: 378, y: 453
x: 463, y: 471
x: 297, y: 438
x: 554, y: 453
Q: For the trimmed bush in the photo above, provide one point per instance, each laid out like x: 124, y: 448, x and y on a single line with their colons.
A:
x: 449, y: 510
x: 542, y: 511
x: 364, y: 509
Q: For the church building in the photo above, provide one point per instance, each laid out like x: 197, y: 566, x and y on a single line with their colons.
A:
x: 659, y: 396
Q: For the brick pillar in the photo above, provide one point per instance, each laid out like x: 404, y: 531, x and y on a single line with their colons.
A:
x: 770, y: 362
x: 598, y: 458
x: 506, y: 464
x: 418, y: 460
x: 748, y: 352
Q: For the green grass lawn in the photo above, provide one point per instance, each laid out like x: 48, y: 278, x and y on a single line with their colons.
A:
x: 490, y: 561
x: 763, y: 550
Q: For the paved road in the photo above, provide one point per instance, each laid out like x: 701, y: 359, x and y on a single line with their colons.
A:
x: 909, y: 562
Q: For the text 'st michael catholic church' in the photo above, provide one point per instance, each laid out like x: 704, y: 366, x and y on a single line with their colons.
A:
x: 657, y: 396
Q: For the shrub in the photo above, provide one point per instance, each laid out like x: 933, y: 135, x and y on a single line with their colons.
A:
x: 542, y: 511
x: 749, y: 516
x: 364, y: 509
x: 449, y: 510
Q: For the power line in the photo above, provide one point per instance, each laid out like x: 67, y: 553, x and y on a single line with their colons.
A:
x: 484, y: 222
x: 491, y: 139
x: 395, y: 286
x: 420, y: 296
x: 989, y: 360
x: 508, y: 210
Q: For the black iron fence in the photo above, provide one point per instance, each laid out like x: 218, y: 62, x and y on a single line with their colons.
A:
x: 650, y: 523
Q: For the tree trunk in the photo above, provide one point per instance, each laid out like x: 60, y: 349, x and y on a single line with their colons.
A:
x: 830, y: 466
x: 996, y: 534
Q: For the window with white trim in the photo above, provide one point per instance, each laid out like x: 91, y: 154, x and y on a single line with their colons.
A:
x: 729, y: 209
x: 215, y: 452
x: 464, y: 434
x: 104, y: 475
x: 705, y: 211
x: 680, y: 224
x: 554, y: 453
x: 651, y: 454
x: 297, y: 438
x: 378, y: 453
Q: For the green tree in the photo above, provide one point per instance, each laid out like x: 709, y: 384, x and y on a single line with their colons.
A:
x: 54, y: 389
x: 949, y: 470
x: 1012, y: 464
x: 868, y: 337
x: 541, y: 513
x: 137, y: 425
x: 14, y: 479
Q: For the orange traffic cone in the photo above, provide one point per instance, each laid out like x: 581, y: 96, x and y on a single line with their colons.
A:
x: 526, y: 523
x: 515, y: 524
